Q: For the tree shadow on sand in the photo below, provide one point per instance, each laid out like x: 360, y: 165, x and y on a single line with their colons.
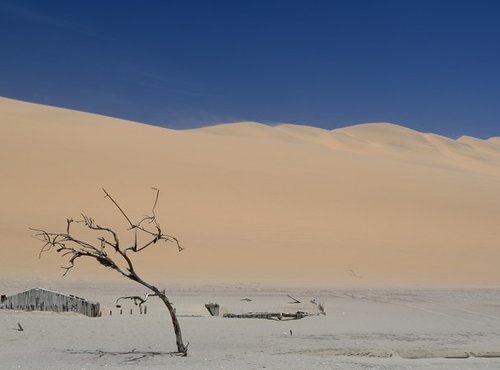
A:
x: 125, y: 356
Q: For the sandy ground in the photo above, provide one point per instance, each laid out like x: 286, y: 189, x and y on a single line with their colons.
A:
x: 363, y: 329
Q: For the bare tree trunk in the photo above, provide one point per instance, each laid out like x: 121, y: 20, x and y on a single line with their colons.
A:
x: 181, y: 348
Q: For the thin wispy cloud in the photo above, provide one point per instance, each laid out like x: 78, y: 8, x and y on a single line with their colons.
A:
x: 169, y: 82
x: 45, y: 18
x: 31, y: 15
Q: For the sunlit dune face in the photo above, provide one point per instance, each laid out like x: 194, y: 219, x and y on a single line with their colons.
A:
x: 251, y: 202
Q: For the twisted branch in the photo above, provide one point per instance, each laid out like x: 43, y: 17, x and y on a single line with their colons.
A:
x: 75, y: 248
x: 139, y: 301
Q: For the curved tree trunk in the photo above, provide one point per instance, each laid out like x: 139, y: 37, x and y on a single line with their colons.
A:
x: 181, y: 348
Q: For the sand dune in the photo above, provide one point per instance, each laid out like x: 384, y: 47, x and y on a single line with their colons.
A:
x: 256, y: 203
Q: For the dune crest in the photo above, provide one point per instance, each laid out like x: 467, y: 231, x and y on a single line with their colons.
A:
x: 385, y: 140
x: 251, y: 202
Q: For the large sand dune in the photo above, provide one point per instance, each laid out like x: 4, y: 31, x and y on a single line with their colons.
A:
x: 367, y: 203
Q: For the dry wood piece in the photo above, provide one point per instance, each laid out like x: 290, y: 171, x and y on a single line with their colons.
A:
x: 19, y: 327
x: 213, y: 308
x: 295, y: 300
x: 321, y: 307
x: 128, y: 356
x: 138, y: 301
x: 108, y: 252
x: 281, y: 316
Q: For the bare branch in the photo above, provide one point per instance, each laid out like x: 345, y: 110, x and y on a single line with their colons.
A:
x: 138, y: 301
x: 69, y: 221
x: 119, y: 208
x: 151, y: 218
x: 90, y: 223
x: 156, y: 201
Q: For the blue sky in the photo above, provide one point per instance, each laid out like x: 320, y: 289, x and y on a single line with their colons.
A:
x: 430, y: 65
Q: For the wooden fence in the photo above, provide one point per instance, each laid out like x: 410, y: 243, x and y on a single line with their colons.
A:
x: 39, y: 299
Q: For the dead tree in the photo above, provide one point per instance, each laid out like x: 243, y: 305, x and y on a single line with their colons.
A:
x: 107, y: 250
